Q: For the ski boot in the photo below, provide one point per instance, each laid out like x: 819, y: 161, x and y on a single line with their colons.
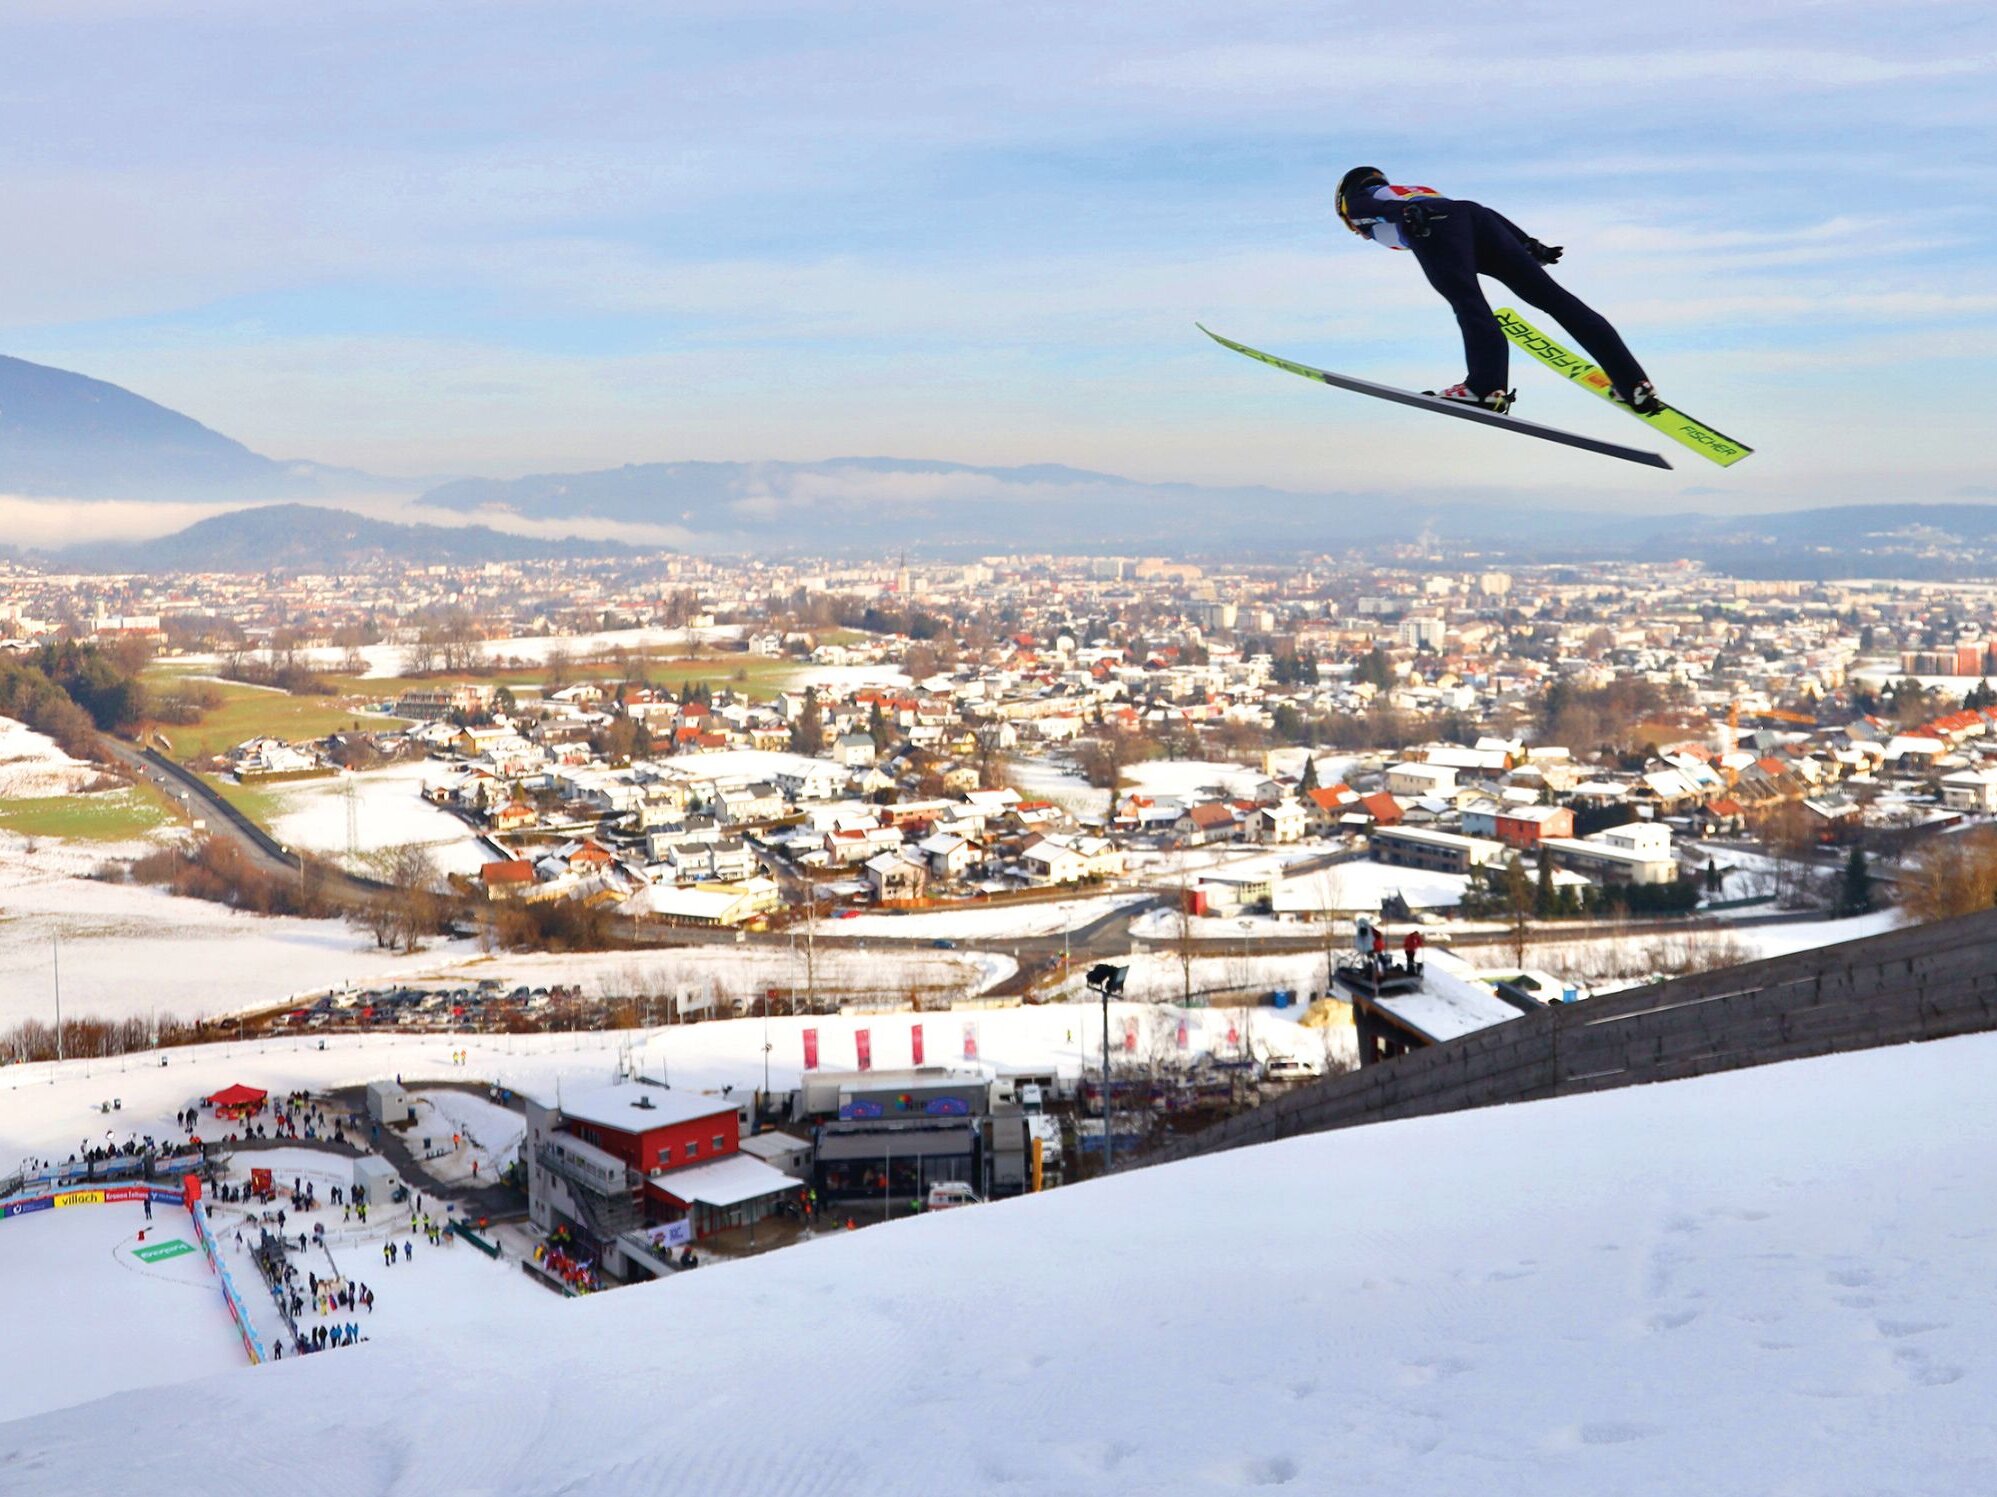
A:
x: 1643, y: 399
x: 1497, y: 402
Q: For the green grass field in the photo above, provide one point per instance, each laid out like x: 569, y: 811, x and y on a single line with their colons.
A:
x: 259, y: 804
x: 102, y: 816
x: 756, y: 675
x: 251, y: 712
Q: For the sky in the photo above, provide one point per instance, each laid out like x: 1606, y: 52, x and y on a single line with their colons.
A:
x: 506, y: 237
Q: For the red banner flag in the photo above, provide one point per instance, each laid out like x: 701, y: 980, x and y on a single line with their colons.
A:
x: 811, y: 1049
x: 1182, y: 1034
x: 915, y: 1044
x: 970, y: 1040
x: 863, y: 1046
x: 1129, y: 1034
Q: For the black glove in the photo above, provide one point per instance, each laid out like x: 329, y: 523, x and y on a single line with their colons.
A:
x: 1418, y: 220
x: 1546, y: 254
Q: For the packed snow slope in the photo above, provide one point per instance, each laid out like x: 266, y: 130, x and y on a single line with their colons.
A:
x: 1771, y: 1280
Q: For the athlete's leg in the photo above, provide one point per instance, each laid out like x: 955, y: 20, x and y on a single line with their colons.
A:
x: 1503, y: 257
x: 1448, y: 257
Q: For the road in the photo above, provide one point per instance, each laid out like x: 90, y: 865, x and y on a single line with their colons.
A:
x: 220, y: 819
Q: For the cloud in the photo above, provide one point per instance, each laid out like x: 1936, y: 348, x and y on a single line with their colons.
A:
x: 38, y: 523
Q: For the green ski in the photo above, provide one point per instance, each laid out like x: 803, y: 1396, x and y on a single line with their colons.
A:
x: 1675, y: 424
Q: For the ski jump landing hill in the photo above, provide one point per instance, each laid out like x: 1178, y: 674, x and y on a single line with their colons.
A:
x: 186, y: 1193
x: 1925, y: 982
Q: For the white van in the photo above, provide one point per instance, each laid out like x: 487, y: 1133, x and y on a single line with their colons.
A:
x: 1288, y: 1068
x: 945, y: 1194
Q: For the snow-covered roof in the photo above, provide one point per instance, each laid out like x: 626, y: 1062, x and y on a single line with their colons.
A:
x: 727, y: 1181
x: 769, y: 1145
x: 1447, y: 1006
x: 618, y: 1106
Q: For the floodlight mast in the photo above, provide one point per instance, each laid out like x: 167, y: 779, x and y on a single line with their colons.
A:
x: 1107, y: 979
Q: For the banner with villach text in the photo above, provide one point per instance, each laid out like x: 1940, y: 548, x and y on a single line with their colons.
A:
x: 811, y: 1049
x: 915, y: 1044
x: 863, y: 1048
x: 970, y: 1039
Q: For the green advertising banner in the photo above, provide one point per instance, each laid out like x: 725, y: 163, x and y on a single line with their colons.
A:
x: 155, y: 1252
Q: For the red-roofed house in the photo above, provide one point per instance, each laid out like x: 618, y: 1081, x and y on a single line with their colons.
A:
x: 1382, y: 807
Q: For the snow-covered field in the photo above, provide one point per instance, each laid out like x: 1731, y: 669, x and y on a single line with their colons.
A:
x: 1360, y: 886
x: 996, y: 923
x: 727, y: 974
x: 33, y: 768
x: 131, y: 949
x: 729, y: 765
x: 1805, y: 935
x: 1044, y: 779
x: 1640, y: 956
x: 1773, y: 1280
x: 389, y: 812
x: 84, y: 1317
x: 1190, y: 779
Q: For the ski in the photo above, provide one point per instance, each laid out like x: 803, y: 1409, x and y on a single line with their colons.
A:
x: 1673, y: 423
x: 1445, y: 407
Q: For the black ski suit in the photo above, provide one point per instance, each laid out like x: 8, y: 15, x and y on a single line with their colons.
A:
x: 1465, y: 240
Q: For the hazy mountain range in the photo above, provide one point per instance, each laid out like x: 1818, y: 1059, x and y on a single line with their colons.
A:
x: 64, y: 435
x: 312, y: 538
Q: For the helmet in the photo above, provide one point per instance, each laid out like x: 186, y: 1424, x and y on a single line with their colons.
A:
x: 1351, y: 185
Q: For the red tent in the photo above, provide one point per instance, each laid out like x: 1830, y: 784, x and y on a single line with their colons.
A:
x: 238, y: 1099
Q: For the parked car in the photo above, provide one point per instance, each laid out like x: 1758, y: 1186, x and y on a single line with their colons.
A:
x: 1288, y: 1068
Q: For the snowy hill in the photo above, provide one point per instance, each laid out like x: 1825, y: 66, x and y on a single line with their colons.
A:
x: 1775, y: 1279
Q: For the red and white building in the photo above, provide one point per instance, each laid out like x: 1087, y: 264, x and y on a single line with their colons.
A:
x: 609, y: 1160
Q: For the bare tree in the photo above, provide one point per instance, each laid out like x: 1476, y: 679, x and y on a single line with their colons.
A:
x: 416, y: 904
x: 1183, y: 892
x: 419, y: 656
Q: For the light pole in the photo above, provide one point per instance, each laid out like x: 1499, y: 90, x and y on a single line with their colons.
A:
x: 1107, y: 979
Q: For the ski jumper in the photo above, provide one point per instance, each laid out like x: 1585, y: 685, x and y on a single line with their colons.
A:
x: 1454, y: 241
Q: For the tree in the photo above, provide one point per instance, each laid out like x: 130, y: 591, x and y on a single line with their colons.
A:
x: 621, y: 740
x: 1952, y: 876
x: 1855, y: 891
x: 1183, y: 893
x: 1787, y: 834
x: 1517, y: 894
x: 807, y: 734
x: 414, y: 910
x: 1374, y: 667
x: 1543, y: 897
